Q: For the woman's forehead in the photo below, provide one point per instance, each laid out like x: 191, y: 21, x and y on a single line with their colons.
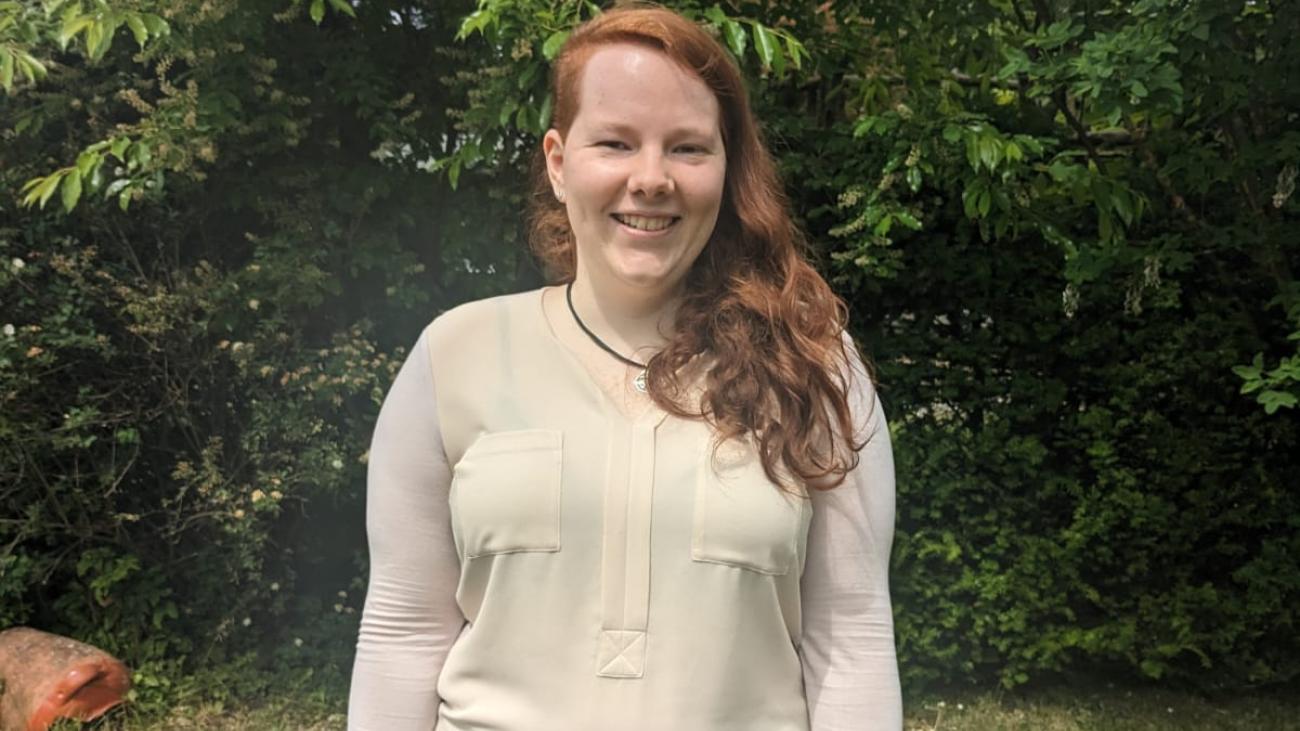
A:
x: 624, y: 78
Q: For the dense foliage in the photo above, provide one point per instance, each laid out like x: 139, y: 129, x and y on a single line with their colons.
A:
x: 1062, y: 228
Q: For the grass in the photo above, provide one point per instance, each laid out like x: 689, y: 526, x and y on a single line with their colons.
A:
x: 282, y: 715
x: 1101, y: 708
x: 1106, y: 708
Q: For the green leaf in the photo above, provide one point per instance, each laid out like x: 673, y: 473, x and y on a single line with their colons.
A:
x: 1017, y: 62
x: 140, y: 154
x: 736, y: 37
x: 31, y: 184
x: 507, y: 110
x: 86, y: 162
x: 1062, y: 171
x: 1288, y: 369
x: 797, y: 52
x: 475, y: 22
x: 138, y: 29
x: 908, y: 219
x: 156, y: 26
x: 765, y: 44
x: 6, y: 70
x: 72, y: 25
x: 529, y: 73
x: 778, y: 58
x: 453, y: 173
x: 544, y: 116
x: 71, y: 189
x: 95, y: 40
x: 317, y: 13
x: 46, y: 189
x: 124, y: 199
x: 116, y: 186
x: 914, y: 179
x: 1274, y: 400
x: 973, y: 151
x: 551, y: 48
x: 1153, y: 668
x: 970, y: 198
x: 990, y: 152
x: 343, y: 6
x: 1031, y: 144
x: 1123, y: 205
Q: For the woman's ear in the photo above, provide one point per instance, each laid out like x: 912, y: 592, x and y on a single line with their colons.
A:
x: 553, y: 150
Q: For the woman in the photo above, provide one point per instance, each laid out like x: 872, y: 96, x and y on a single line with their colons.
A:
x: 658, y: 495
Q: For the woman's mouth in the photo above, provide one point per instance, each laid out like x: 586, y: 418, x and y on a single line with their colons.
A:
x: 647, y: 224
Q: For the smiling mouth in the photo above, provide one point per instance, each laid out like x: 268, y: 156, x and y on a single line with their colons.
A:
x: 646, y: 223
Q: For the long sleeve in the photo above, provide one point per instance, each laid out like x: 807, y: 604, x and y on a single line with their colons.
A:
x: 850, y: 666
x: 411, y: 617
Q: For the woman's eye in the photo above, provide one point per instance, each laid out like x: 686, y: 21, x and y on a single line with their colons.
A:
x: 691, y: 149
x: 611, y: 143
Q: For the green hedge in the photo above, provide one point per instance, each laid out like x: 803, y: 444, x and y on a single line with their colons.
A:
x: 1063, y: 234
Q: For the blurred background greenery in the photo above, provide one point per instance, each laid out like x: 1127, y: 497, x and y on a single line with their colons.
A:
x: 1066, y: 229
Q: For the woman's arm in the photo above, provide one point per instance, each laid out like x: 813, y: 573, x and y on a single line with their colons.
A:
x: 849, y: 664
x: 411, y: 618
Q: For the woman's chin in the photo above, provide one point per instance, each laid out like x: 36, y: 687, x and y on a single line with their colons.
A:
x: 648, y: 282
x: 652, y: 275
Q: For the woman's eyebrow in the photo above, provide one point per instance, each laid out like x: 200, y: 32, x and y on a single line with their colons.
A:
x: 621, y: 128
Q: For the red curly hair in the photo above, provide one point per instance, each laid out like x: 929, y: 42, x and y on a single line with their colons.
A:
x: 770, y: 325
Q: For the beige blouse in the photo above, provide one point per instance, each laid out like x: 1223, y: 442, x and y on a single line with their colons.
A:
x: 541, y: 561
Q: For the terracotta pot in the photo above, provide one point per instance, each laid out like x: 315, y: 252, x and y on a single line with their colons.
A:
x: 45, y: 677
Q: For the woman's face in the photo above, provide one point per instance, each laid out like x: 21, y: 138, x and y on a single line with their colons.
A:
x: 641, y: 169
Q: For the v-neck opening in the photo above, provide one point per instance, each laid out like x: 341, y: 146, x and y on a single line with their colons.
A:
x: 652, y: 413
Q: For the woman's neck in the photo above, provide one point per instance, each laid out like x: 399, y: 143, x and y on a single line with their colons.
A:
x: 632, y: 322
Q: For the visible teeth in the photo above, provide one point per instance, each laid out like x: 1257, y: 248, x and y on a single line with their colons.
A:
x: 646, y: 223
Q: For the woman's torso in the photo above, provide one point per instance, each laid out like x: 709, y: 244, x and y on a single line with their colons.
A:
x: 612, y: 578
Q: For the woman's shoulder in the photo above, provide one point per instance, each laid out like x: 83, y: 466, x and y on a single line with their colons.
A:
x: 849, y: 360
x: 472, y: 320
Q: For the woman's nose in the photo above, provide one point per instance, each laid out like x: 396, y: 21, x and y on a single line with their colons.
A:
x: 650, y: 175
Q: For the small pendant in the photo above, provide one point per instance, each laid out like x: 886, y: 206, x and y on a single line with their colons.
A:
x: 639, y: 382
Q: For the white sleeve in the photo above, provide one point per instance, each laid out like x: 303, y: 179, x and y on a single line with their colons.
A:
x: 850, y: 667
x: 411, y: 617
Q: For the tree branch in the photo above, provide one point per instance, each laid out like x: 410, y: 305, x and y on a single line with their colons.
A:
x: 1175, y: 198
x: 1061, y: 101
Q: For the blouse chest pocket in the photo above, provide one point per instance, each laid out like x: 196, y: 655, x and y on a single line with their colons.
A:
x: 741, y: 518
x: 505, y: 493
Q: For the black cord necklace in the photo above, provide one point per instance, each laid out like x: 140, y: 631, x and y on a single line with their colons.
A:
x: 640, y: 381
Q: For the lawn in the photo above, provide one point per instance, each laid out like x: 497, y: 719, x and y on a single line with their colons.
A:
x: 1106, y: 709
x: 1060, y: 709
